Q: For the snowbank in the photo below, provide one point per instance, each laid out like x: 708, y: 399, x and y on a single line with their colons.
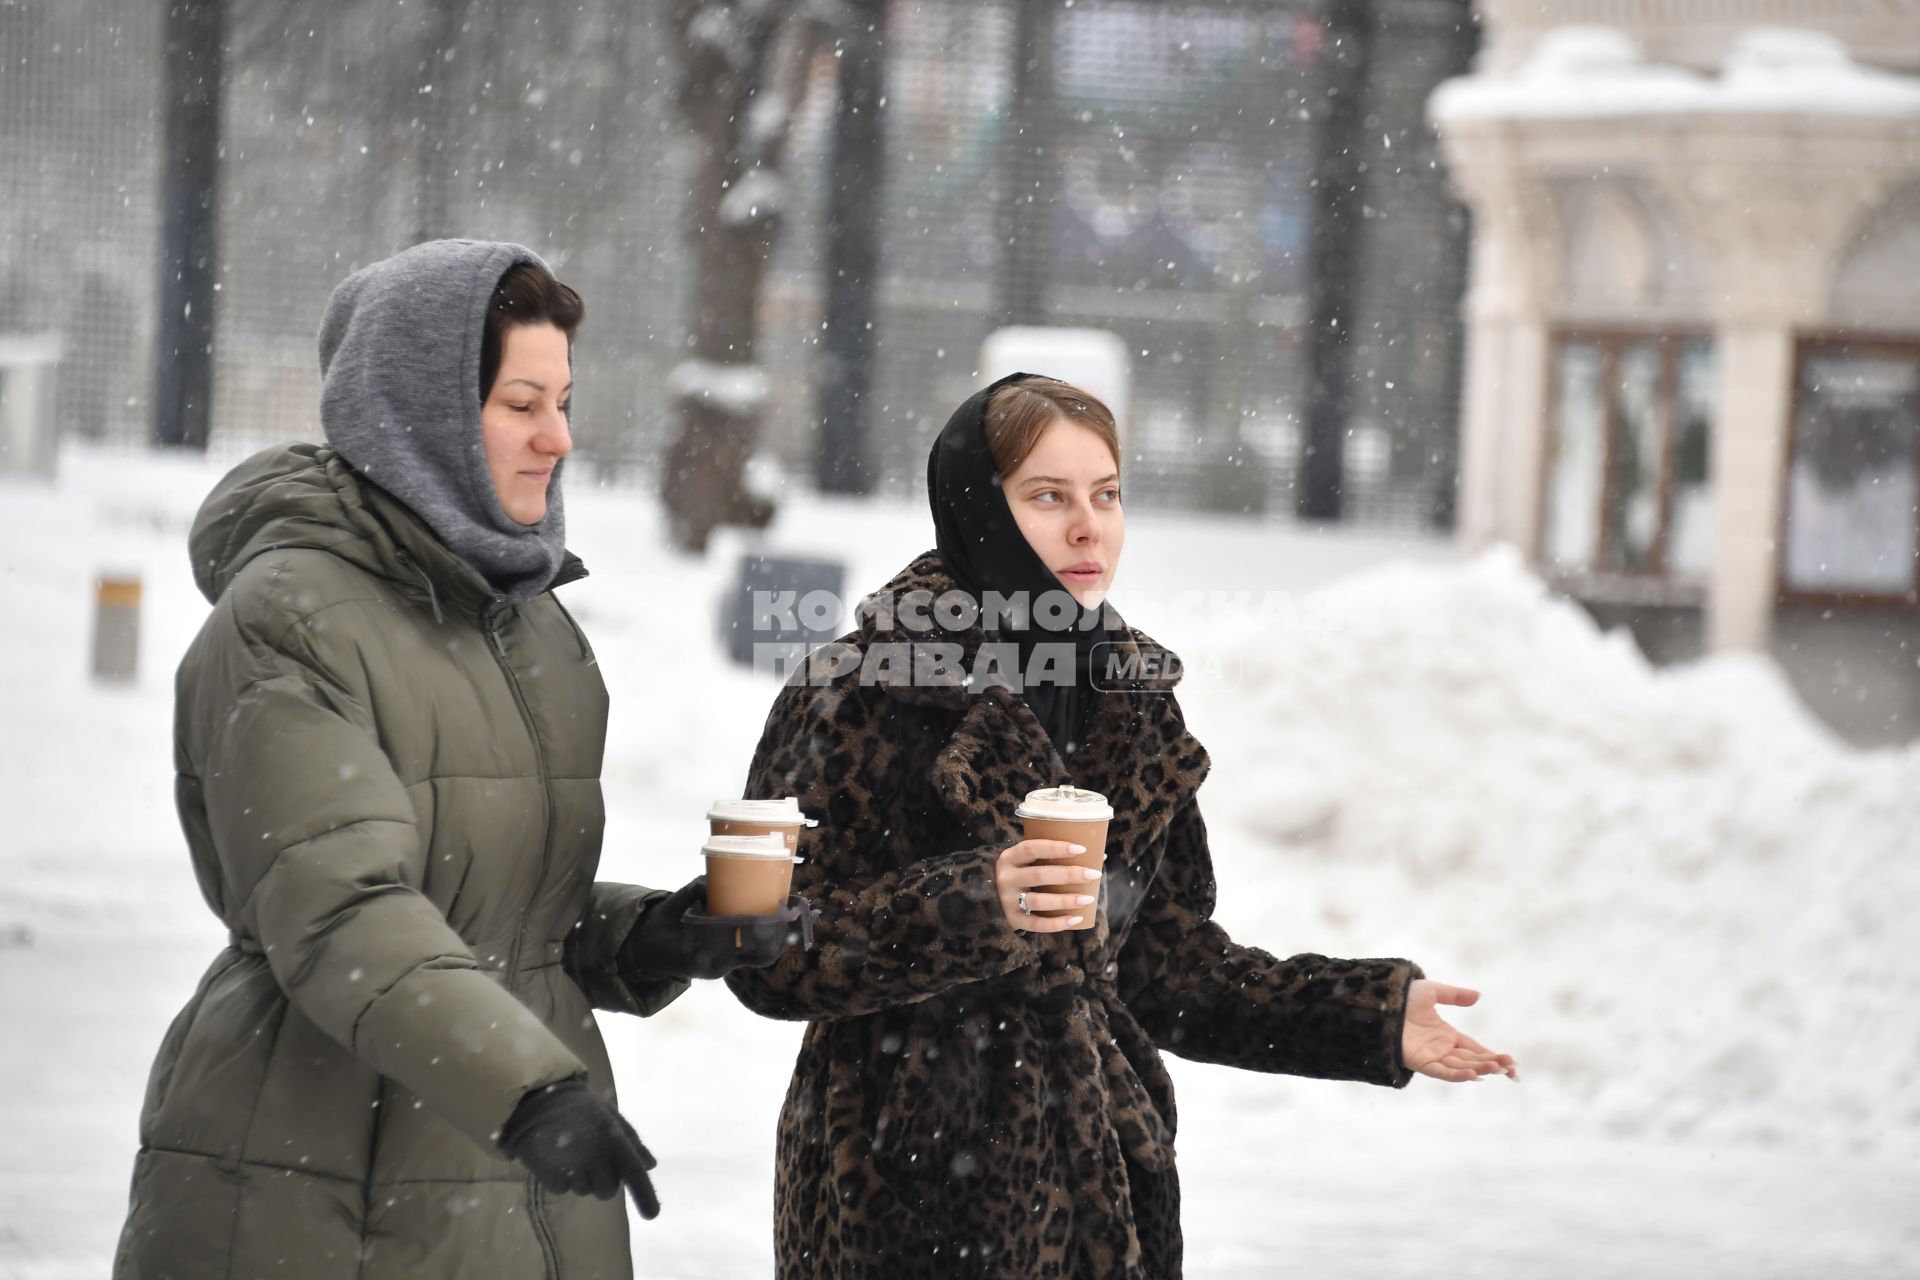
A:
x: 1684, y: 898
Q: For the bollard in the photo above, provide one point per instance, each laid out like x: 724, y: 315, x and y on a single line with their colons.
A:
x: 116, y: 628
x: 780, y: 605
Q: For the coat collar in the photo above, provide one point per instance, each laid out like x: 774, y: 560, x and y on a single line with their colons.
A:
x: 1143, y: 665
x: 1138, y: 750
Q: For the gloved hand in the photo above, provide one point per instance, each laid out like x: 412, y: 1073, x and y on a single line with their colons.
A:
x: 575, y: 1143
x: 664, y: 944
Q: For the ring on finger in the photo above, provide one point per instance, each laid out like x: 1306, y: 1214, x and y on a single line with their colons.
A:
x: 1021, y: 903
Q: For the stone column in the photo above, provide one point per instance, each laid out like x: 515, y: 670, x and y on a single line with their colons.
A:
x: 1754, y: 392
x: 1524, y: 410
x: 1503, y: 395
x: 1481, y: 439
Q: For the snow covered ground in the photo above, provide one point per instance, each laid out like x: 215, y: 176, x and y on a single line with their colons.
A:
x: 1682, y: 899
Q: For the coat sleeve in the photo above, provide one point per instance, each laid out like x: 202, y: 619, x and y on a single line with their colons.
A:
x: 593, y: 952
x: 322, y: 864
x: 885, y: 937
x: 1203, y: 996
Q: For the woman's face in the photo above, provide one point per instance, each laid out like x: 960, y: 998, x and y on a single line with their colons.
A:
x: 523, y: 423
x: 1065, y: 497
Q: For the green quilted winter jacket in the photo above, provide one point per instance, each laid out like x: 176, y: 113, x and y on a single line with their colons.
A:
x: 390, y: 787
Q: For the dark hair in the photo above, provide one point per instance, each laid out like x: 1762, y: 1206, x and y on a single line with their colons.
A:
x: 1019, y: 413
x: 527, y: 294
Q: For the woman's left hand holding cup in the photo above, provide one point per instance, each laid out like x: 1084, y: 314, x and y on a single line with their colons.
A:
x: 1030, y: 878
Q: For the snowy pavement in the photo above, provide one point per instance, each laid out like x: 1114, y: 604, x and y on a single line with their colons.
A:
x: 1683, y: 900
x: 1283, y: 1177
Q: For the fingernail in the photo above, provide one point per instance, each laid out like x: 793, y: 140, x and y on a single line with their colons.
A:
x: 1091, y: 874
x: 1076, y: 848
x: 1075, y: 920
x: 1085, y: 900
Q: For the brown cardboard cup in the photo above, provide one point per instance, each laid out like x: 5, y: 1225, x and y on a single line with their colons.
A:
x: 749, y: 875
x: 1078, y: 817
x: 751, y: 884
x: 759, y: 817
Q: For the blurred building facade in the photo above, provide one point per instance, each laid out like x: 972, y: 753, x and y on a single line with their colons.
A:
x: 1180, y: 140
x: 1693, y: 384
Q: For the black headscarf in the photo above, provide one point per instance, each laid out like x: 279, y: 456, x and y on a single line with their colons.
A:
x: 983, y: 549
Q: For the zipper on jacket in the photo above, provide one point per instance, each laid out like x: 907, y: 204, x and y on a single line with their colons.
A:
x: 546, y: 799
x: 535, y: 1199
x: 535, y: 1209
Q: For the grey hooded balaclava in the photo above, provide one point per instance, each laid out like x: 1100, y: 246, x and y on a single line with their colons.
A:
x: 400, y: 401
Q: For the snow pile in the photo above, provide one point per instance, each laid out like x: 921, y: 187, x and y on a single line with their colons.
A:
x: 1683, y: 898
x: 1790, y: 69
x: 1588, y: 72
x: 757, y: 197
x: 739, y: 390
x: 1573, y: 71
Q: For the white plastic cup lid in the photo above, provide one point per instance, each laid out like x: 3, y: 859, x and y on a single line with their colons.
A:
x: 772, y: 845
x: 773, y: 813
x: 1065, y: 804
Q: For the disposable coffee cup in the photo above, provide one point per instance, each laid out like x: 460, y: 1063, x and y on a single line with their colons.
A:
x: 748, y: 875
x: 1078, y: 817
x: 758, y: 818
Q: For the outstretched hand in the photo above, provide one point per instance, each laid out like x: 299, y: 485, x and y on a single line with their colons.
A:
x: 1433, y: 1047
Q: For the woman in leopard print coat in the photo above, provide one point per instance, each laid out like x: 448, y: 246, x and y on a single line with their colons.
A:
x: 979, y: 1091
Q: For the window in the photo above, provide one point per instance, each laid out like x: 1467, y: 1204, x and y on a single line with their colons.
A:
x: 1627, y: 489
x: 1853, y: 479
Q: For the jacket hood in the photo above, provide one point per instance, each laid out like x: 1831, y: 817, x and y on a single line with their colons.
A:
x: 307, y: 496
x: 400, y: 401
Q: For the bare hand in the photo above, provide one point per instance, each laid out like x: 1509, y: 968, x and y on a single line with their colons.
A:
x: 1019, y: 871
x: 1433, y: 1048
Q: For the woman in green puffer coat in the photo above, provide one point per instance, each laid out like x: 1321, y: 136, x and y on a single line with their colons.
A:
x: 388, y: 740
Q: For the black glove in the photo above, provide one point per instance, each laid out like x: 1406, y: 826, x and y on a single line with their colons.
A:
x: 664, y: 943
x: 575, y: 1143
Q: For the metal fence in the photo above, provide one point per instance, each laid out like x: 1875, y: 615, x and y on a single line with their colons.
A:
x: 1179, y: 140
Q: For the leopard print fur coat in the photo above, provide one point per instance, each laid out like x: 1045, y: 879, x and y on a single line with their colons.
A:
x: 973, y: 1100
